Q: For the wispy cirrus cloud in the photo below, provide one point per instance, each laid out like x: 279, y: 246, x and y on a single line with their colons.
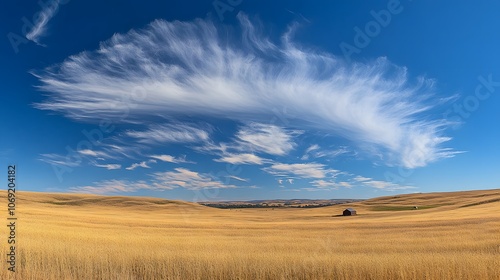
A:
x: 302, y: 170
x: 187, y: 179
x: 237, y: 178
x: 170, y: 133
x: 160, y: 181
x: 266, y: 138
x: 359, y: 181
x: 109, y: 166
x: 242, y: 159
x: 171, y: 159
x: 60, y: 160
x: 108, y: 149
x: 195, y: 69
x: 315, y: 151
x: 386, y: 186
x: 362, y: 179
x: 93, y: 153
x: 311, y: 148
x: 44, y: 16
x: 143, y: 164
x: 118, y: 149
x: 112, y: 186
x: 252, y: 139
x: 331, y: 184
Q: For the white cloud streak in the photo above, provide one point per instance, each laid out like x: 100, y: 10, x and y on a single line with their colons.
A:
x: 93, y: 153
x: 194, y: 69
x: 361, y: 182
x: 330, y: 184
x: 238, y: 178
x: 316, y: 152
x: 112, y: 186
x: 251, y: 139
x: 109, y: 166
x: 386, y: 186
x: 142, y: 164
x: 308, y: 151
x: 59, y: 160
x: 179, y: 178
x: 171, y: 159
x: 302, y: 170
x: 265, y: 138
x: 361, y: 179
x: 40, y: 26
x: 242, y: 159
x: 187, y: 179
x: 170, y: 133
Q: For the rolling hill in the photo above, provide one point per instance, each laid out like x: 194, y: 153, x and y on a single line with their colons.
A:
x: 75, y: 236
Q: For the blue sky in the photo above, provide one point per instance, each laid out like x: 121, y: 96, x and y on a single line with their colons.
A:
x: 241, y: 100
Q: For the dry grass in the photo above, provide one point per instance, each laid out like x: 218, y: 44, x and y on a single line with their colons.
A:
x: 64, y: 236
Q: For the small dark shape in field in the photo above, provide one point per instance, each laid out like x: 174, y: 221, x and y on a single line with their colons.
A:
x: 401, y: 207
x: 349, y: 212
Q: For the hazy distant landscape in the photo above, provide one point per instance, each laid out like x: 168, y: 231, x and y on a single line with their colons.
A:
x: 72, y: 236
x: 276, y: 203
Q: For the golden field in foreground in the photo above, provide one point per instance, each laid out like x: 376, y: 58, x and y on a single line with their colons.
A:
x: 71, y: 236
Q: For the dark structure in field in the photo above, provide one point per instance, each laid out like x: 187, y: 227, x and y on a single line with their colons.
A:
x: 349, y: 212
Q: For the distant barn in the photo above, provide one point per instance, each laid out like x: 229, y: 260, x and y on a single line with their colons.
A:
x: 349, y: 212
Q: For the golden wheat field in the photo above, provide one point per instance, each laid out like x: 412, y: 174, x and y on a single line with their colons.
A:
x: 70, y: 236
